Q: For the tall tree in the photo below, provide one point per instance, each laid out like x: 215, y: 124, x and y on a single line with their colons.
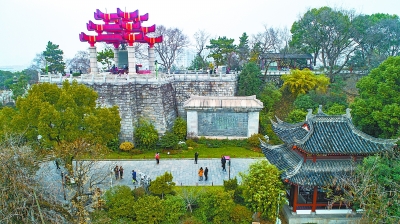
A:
x: 377, y: 110
x: 63, y: 114
x: 249, y: 80
x: 328, y: 34
x: 174, y: 41
x: 243, y: 49
x: 201, y: 37
x: 263, y: 189
x: 54, y: 59
x: 80, y: 62
x: 220, y: 49
x: 20, y: 87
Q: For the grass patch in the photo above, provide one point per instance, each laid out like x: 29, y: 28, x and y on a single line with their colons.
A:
x: 205, y: 152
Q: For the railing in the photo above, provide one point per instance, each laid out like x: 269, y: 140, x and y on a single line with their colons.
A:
x: 137, y: 78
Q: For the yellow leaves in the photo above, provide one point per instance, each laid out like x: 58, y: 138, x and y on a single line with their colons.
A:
x: 302, y: 81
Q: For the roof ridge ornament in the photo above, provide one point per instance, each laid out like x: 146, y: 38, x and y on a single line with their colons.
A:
x: 309, y: 114
x: 348, y: 115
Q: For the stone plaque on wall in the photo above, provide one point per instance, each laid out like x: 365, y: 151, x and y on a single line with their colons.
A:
x: 222, y: 124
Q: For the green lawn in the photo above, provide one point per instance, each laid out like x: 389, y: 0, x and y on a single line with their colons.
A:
x: 204, y: 152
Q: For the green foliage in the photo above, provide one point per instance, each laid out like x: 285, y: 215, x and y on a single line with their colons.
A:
x: 146, y: 135
x: 105, y: 57
x: 243, y: 49
x: 63, y: 114
x: 269, y: 96
x: 169, y: 140
x: 220, y: 49
x: 254, y: 140
x: 191, y: 143
x: 240, y: 214
x: 249, y: 80
x: 304, y: 102
x: 54, y: 59
x: 20, y: 87
x: 126, y: 146
x: 262, y: 189
x: 376, y: 111
x: 215, y: 143
x: 302, y: 81
x: 296, y: 116
x: 162, y: 185
x: 215, y: 207
x: 119, y: 202
x: 175, y: 208
x: 336, y: 109
x: 266, y: 127
x: 149, y: 209
x: 232, y: 185
x: 180, y: 128
x: 113, y: 144
x: 198, y: 63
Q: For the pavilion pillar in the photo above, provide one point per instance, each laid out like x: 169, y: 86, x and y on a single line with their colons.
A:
x: 131, y: 60
x: 93, y: 61
x: 151, y: 59
x: 116, y: 59
x: 314, y: 199
x: 295, y: 196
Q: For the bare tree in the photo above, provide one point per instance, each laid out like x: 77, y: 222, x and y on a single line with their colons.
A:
x: 201, y: 37
x: 174, y: 41
x: 38, y: 63
x: 80, y: 62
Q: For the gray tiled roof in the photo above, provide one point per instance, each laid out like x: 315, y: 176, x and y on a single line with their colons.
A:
x: 323, y: 172
x: 333, y: 134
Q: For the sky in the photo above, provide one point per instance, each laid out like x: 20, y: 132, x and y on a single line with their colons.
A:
x: 27, y: 25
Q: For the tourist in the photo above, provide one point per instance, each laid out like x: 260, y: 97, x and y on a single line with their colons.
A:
x: 57, y: 164
x: 121, y: 172
x: 116, y: 172
x: 157, y: 156
x: 201, y: 174
x: 196, y: 156
x: 134, y: 181
x: 223, y: 162
x: 206, y: 174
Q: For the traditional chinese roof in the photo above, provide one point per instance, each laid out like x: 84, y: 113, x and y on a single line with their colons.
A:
x: 330, y: 135
x: 201, y: 102
x: 322, y: 172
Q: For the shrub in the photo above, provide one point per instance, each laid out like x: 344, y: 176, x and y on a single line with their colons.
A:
x: 169, y: 140
x: 146, y: 135
x: 182, y: 146
x: 191, y: 143
x: 113, y: 144
x: 240, y: 214
x: 254, y: 140
x: 126, y: 146
x: 180, y: 128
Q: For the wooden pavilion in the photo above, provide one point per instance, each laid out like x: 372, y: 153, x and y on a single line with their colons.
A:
x: 316, y: 152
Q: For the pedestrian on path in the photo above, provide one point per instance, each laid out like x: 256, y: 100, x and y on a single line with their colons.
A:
x: 57, y: 164
x: 121, y: 172
x: 157, y: 156
x: 206, y: 174
x: 223, y: 162
x: 201, y: 174
x: 134, y: 181
x: 196, y: 156
x: 116, y: 172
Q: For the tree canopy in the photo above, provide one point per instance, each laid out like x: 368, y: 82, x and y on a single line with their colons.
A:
x: 53, y: 59
x: 302, y: 81
x: 263, y: 189
x: 220, y: 49
x: 51, y: 115
x: 376, y: 111
x: 105, y: 57
x: 249, y: 80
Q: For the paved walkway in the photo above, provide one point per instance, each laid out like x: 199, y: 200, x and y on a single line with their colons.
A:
x: 184, y: 172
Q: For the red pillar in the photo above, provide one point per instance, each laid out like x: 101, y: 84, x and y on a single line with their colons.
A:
x: 314, y: 200
x: 295, y: 195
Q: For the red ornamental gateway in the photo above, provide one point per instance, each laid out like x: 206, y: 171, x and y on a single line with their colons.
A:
x: 120, y: 28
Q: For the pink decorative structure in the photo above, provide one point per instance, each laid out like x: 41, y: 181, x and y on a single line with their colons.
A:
x: 120, y: 28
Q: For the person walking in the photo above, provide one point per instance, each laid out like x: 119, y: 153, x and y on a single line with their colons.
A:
x: 196, y: 156
x: 157, y: 156
x: 57, y: 164
x: 134, y: 181
x: 206, y: 174
x: 121, y: 172
x: 201, y: 174
x: 223, y: 162
x: 116, y: 172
